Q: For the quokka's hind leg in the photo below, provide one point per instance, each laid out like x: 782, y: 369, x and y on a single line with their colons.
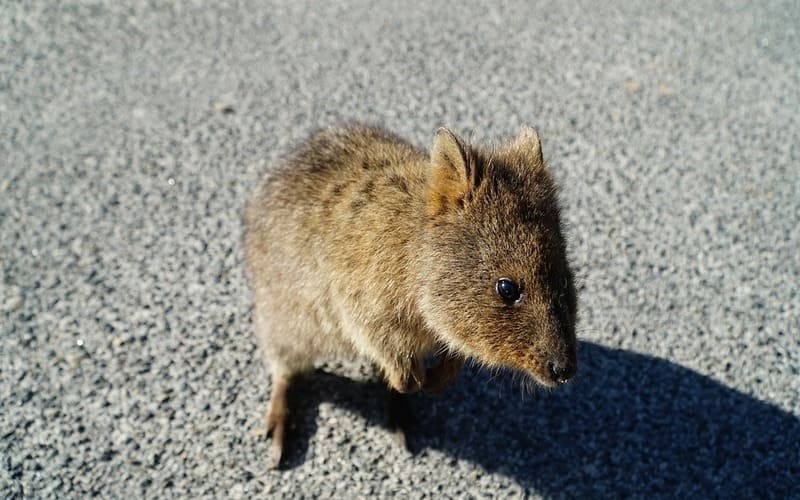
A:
x: 276, y: 418
x: 285, y: 363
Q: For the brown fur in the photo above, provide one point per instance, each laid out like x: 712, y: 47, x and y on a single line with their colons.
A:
x: 359, y: 244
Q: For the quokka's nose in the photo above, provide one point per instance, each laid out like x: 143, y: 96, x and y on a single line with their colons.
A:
x: 560, y: 371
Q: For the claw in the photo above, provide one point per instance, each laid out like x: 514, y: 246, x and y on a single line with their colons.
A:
x: 278, y: 423
x: 275, y: 456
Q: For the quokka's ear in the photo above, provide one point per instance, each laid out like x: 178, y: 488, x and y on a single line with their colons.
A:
x: 453, y: 173
x: 528, y: 145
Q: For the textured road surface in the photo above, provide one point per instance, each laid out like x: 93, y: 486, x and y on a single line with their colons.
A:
x: 131, y: 135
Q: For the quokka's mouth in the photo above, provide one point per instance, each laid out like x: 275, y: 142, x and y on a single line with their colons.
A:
x: 552, y: 373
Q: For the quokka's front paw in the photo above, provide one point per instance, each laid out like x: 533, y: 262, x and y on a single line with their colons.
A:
x: 408, y: 380
x: 441, y: 375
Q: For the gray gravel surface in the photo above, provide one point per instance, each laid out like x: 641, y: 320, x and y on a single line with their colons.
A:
x: 131, y: 135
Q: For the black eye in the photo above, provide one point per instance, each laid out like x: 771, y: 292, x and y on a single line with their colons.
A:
x: 508, y: 291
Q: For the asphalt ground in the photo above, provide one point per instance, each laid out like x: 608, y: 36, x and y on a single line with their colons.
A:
x: 131, y: 134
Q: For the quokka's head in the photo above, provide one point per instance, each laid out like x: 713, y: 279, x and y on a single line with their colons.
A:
x: 496, y: 282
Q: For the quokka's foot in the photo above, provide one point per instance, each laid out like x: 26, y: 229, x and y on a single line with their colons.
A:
x: 275, y: 421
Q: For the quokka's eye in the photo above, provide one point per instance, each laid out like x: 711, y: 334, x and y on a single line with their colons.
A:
x: 508, y: 291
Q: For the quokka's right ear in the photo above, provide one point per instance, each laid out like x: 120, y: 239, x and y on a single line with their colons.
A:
x: 453, y: 173
x: 529, y: 146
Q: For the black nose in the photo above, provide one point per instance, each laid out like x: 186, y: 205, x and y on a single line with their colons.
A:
x: 560, y: 371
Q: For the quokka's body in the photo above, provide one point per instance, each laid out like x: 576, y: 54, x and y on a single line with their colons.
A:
x: 359, y: 244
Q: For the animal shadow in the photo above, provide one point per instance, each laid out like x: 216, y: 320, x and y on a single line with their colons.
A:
x: 630, y: 425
